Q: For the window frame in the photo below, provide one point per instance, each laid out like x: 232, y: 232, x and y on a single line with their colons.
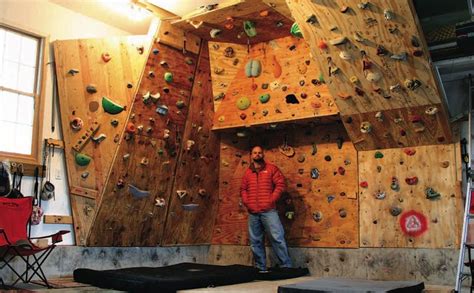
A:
x: 35, y: 157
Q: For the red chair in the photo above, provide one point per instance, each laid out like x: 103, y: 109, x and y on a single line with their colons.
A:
x: 15, y: 214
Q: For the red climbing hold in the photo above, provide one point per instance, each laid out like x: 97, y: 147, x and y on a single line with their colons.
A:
x: 130, y: 128
x: 411, y: 181
x: 364, y: 184
x: 409, y: 152
x: 254, y: 86
x: 243, y: 116
x: 366, y: 65
x: 415, y: 119
x: 403, y: 132
x: 359, y: 91
x: 106, y: 57
x: 341, y: 170
x: 413, y: 223
x: 322, y: 45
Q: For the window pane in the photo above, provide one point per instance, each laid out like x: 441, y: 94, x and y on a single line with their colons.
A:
x: 10, y: 74
x: 23, y: 137
x: 26, y: 82
x: 8, y: 107
x: 7, y: 130
x: 2, y: 49
x: 26, y: 109
x: 12, y: 46
x: 29, y: 50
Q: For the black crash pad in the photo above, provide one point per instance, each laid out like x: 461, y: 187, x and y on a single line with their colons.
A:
x: 282, y: 273
x: 168, y: 278
x: 341, y: 285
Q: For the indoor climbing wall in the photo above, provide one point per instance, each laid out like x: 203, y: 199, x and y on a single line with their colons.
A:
x: 320, y: 208
x: 274, y: 81
x: 410, y: 197
x: 377, y: 68
x: 137, y: 194
x: 97, y: 80
x: 194, y: 198
x: 239, y: 22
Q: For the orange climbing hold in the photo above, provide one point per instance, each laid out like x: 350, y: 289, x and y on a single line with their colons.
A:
x: 130, y: 128
x: 322, y: 45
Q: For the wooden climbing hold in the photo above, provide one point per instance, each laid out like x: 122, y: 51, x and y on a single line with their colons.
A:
x: 411, y: 180
x: 73, y: 71
x: 301, y: 158
x: 98, y: 139
x: 160, y: 202
x: 106, y: 57
x: 445, y: 164
x: 312, y: 19
x: 181, y: 193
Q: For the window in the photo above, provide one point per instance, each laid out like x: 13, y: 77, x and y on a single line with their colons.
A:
x: 19, y: 93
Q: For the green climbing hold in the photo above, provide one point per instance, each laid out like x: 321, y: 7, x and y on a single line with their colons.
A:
x: 168, y: 76
x: 264, y: 98
x: 180, y: 104
x: 243, y: 103
x: 249, y: 28
x: 111, y: 107
x: 82, y: 159
x: 321, y: 78
x: 296, y: 31
x: 378, y: 155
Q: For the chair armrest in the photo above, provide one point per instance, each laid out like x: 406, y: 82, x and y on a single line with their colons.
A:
x: 4, y: 236
x: 56, y: 237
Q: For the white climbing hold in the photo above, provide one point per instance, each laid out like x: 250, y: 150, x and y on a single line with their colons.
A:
x: 181, y: 193
x: 373, y: 76
x: 215, y: 33
x: 345, y: 55
x: 338, y: 41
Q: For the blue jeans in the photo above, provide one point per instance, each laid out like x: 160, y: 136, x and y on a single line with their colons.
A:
x: 268, y: 222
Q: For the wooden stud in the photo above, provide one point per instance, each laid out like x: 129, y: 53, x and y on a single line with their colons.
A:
x: 55, y: 219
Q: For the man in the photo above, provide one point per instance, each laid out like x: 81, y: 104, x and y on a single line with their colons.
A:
x: 261, y: 187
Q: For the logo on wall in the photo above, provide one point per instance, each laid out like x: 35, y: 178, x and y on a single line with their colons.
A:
x: 413, y: 223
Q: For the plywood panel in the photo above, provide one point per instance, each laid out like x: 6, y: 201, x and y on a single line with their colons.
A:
x: 177, y: 38
x: 397, y: 128
x: 333, y: 193
x: 147, y: 159
x: 286, y: 69
x: 198, y: 169
x: 128, y: 56
x: 370, y: 79
x: 435, y: 167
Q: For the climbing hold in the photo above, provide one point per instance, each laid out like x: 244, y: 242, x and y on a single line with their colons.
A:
x: 359, y: 38
x: 301, y: 158
x: 85, y: 175
x: 378, y: 155
x: 339, y: 142
x: 82, y: 159
x: 286, y: 150
x: 354, y: 79
x: 73, y: 71
x: 411, y: 180
x: 111, y: 107
x: 264, y: 98
x: 432, y: 194
x: 188, y: 61
x: 342, y: 213
x: 338, y: 41
x: 106, y: 57
x: 189, y: 144
x: 98, y: 139
x: 243, y: 116
x: 166, y: 133
x: 243, y: 103
x: 395, y: 211
x: 290, y: 215
x: 91, y: 89
x: 303, y: 95
x: 312, y: 19
x: 181, y: 193
x: 168, y: 76
x: 291, y: 99
x: 180, y: 104
x: 415, y: 119
x: 120, y: 183
x: 330, y: 198
x: 140, y: 50
x: 373, y: 76
x: 345, y: 55
x: 379, y: 169
x: 144, y: 161
x: 229, y: 23
x: 344, y: 9
x: 341, y: 170
x: 327, y: 158
x: 163, y: 63
x: 365, y: 127
x: 379, y: 195
x: 366, y: 65
x: 317, y: 216
x: 218, y: 70
x: 363, y: 5
x: 431, y: 110
x: 388, y: 14
x: 219, y: 96
x: 126, y: 156
x: 162, y: 110
x: 445, y: 164
x: 253, y: 68
x: 146, y: 98
x: 396, y: 87
x: 296, y: 31
x: 314, y: 149
x: 379, y: 116
x: 202, y: 192
x: 412, y: 84
x: 76, y: 123
x: 409, y: 152
x: 160, y: 202
x: 215, y: 33
x: 264, y: 112
x: 155, y: 51
x: 131, y: 129
x: 196, y: 24
x: 229, y: 52
x: 140, y: 128
x: 221, y: 118
x: 249, y: 28
x: 136, y: 192
x: 381, y: 51
x: 322, y: 45
x: 400, y: 57
x: 190, y: 206
x: 359, y: 91
x: 155, y: 97
x: 364, y: 184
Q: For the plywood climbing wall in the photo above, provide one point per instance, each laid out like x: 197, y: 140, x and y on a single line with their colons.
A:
x: 87, y: 71
x: 321, y: 197
x: 397, y: 208
x: 194, y: 198
x: 377, y: 66
x: 289, y: 87
x: 137, y: 194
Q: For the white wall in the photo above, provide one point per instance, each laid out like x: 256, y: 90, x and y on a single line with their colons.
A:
x: 58, y: 23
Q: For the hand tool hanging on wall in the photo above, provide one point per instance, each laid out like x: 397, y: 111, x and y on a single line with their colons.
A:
x: 47, y: 192
x: 37, y: 212
x: 54, y: 96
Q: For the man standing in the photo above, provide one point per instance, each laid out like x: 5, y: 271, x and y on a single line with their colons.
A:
x: 261, y: 187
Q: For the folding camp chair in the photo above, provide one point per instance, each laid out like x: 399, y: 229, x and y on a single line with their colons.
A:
x: 15, y: 214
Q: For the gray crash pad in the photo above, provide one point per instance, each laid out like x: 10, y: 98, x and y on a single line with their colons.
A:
x: 341, y: 285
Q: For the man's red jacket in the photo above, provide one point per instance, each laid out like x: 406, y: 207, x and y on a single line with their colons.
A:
x: 260, y: 190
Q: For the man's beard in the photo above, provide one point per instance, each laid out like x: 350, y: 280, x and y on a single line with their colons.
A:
x: 259, y: 160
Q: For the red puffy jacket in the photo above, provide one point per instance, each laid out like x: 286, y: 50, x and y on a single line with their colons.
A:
x: 260, y: 190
